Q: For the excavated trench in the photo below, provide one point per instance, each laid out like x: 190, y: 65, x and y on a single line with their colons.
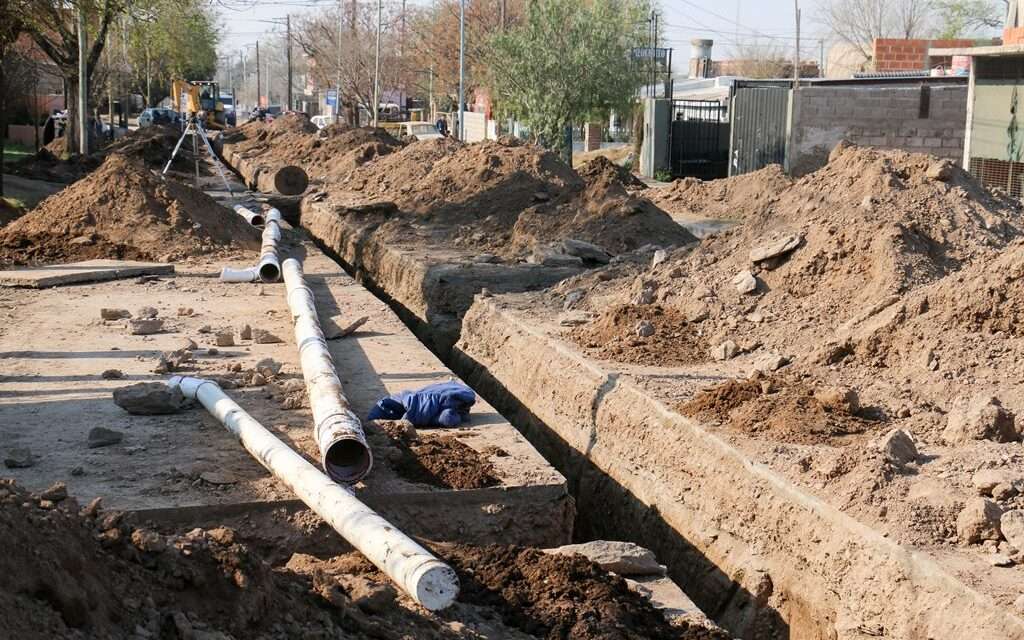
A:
x: 763, y: 558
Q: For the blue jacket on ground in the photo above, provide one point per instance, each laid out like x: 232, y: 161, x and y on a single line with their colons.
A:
x: 446, y: 404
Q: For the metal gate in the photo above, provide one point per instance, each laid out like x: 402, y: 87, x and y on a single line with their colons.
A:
x: 759, y: 116
x: 699, y: 139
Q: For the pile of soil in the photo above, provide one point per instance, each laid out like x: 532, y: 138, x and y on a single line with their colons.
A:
x: 835, y: 248
x: 735, y: 198
x: 622, y: 335
x: 783, y: 408
x: 504, y: 197
x: 122, y: 211
x: 76, y: 572
x: 601, y: 169
x: 438, y: 461
x: 328, y: 156
x: 148, y: 147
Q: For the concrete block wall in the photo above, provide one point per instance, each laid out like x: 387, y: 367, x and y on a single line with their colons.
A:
x: 887, y: 117
x: 896, y: 54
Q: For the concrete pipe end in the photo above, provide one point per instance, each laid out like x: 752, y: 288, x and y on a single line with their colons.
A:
x: 435, y: 586
x: 257, y: 220
x: 347, y: 460
x: 269, y: 272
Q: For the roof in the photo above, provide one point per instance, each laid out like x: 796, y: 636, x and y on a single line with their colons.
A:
x: 998, y: 50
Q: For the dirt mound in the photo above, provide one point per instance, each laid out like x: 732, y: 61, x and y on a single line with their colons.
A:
x: 835, y: 248
x: 601, y: 170
x: 561, y: 597
x: 292, y: 122
x: 439, y: 461
x: 735, y: 198
x: 643, y: 334
x: 391, y: 175
x: 783, y: 408
x: 122, y: 211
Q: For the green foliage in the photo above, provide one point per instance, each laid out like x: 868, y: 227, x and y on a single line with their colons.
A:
x: 170, y: 39
x: 568, y: 61
x: 959, y: 18
x: 661, y: 175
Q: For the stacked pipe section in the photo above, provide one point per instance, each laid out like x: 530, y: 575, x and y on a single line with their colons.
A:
x: 268, y: 269
x: 260, y: 174
x: 426, y: 579
x: 344, y: 454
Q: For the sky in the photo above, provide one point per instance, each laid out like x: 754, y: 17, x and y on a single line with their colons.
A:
x: 766, y: 23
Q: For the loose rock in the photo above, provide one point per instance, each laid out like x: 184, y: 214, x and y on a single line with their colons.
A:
x: 980, y: 418
x: 112, y: 374
x: 644, y: 329
x: 115, y: 314
x: 842, y: 399
x: 20, y: 458
x: 335, y: 330
x: 1011, y: 525
x: 745, y: 282
x: 660, y: 256
x: 103, y: 437
x: 259, y: 336
x: 779, y: 247
x: 145, y: 326
x: 985, y: 480
x: 978, y: 521
x: 225, y: 338
x: 55, y: 493
x: 725, y: 351
x: 585, y: 251
x: 623, y: 558
x: 898, y: 447
x: 149, y: 398
x: 245, y: 333
x: 147, y: 312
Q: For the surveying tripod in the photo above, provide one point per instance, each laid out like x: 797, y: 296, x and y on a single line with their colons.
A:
x: 195, y: 128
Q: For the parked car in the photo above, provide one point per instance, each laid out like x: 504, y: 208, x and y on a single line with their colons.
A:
x: 158, y: 115
x: 418, y: 131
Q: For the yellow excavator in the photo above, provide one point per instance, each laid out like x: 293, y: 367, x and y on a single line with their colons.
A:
x: 200, y: 99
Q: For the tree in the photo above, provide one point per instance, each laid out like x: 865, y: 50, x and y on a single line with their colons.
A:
x: 10, y: 29
x: 757, y: 60
x: 859, y: 22
x: 53, y: 27
x: 569, y: 61
x: 966, y: 17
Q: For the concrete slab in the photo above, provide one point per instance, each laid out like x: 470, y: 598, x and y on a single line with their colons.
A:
x: 55, y: 275
x: 54, y: 349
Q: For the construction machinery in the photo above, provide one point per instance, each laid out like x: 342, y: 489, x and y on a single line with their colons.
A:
x: 199, y: 99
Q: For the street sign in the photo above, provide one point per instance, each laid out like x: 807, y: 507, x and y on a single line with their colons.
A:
x: 650, y: 53
x: 332, y: 97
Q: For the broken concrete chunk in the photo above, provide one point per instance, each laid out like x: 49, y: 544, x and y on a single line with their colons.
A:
x: 1011, y: 525
x: 225, y: 338
x: 259, y: 336
x: 20, y: 458
x: 775, y: 248
x: 898, y: 447
x: 768, y: 362
x: 334, y: 329
x: 145, y: 326
x: 623, y: 558
x: 941, y: 171
x: 585, y: 251
x: 55, y: 493
x: 980, y: 418
x: 644, y: 329
x: 985, y: 480
x: 745, y: 282
x: 149, y: 398
x: 147, y: 312
x: 660, y: 256
x: 103, y: 437
x: 725, y: 351
x: 114, y: 314
x: 978, y: 521
x: 842, y: 399
x: 644, y: 297
x: 245, y: 333
x: 293, y: 385
x: 112, y: 374
x: 268, y: 367
x: 573, y: 298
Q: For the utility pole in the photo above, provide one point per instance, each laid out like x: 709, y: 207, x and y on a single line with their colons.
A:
x: 376, y: 69
x: 241, y: 56
x: 83, y: 89
x: 796, y: 53
x: 258, y: 94
x: 288, y: 56
x: 462, y: 70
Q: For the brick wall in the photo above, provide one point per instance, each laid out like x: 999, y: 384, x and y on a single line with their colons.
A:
x: 891, y: 54
x: 877, y: 116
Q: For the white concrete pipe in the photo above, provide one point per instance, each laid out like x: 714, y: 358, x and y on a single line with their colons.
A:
x: 253, y: 218
x: 426, y: 579
x: 268, y: 269
x: 343, y: 450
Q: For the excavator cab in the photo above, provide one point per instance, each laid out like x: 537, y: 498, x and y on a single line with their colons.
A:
x: 200, y: 98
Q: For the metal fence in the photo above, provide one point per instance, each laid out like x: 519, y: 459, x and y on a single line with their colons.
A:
x: 699, y: 139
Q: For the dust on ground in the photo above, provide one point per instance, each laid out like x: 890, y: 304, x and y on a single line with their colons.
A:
x: 83, y: 571
x: 122, y: 211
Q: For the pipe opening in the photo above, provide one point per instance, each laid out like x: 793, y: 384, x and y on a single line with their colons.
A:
x: 256, y: 220
x: 269, y: 272
x: 347, y: 461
